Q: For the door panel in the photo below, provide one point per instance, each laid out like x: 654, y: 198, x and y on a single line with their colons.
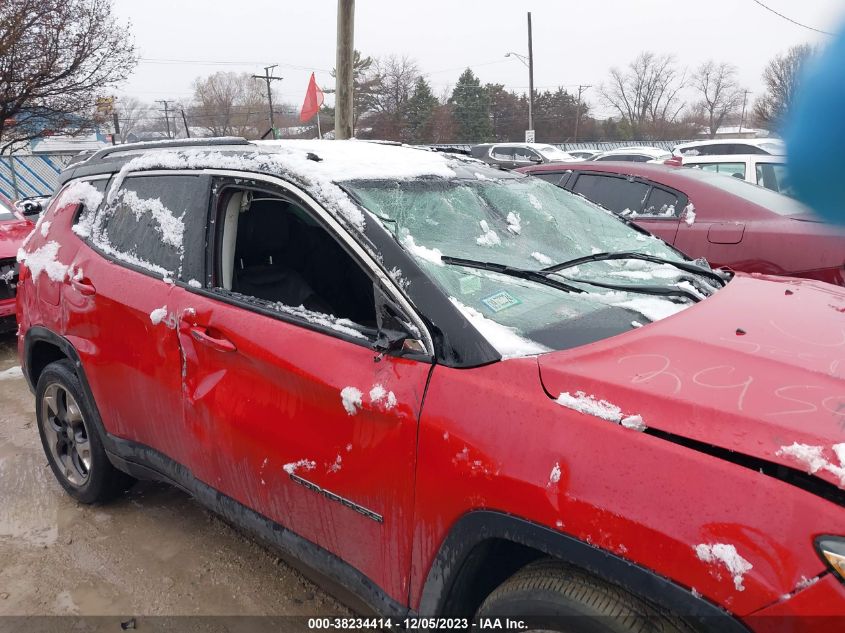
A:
x: 274, y: 409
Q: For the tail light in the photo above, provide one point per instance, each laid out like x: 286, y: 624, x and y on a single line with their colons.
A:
x: 675, y: 161
x: 831, y: 549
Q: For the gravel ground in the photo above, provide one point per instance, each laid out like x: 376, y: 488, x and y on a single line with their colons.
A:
x: 154, y: 553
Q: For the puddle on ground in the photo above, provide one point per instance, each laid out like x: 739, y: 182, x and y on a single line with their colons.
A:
x: 30, y: 494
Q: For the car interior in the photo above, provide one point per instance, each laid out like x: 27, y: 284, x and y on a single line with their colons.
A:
x: 272, y: 249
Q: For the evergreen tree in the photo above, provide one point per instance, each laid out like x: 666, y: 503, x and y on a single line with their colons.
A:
x: 471, y: 109
x: 418, y: 112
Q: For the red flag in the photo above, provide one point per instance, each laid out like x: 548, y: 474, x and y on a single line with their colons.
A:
x: 313, y: 101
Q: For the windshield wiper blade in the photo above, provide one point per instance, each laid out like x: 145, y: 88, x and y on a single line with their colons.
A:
x: 531, y: 275
x: 660, y: 291
x: 599, y: 257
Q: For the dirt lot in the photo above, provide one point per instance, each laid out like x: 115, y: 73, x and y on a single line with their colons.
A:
x: 155, y: 552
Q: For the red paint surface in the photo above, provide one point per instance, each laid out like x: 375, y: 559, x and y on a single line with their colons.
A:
x: 486, y: 438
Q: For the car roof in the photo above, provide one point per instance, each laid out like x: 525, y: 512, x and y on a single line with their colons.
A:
x: 756, y: 142
x: 307, y: 160
x: 778, y: 159
x: 637, y: 149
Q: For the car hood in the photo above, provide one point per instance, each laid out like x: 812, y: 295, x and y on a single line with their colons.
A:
x: 757, y: 367
x: 12, y: 235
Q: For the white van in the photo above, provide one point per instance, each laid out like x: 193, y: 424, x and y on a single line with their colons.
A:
x: 761, y: 169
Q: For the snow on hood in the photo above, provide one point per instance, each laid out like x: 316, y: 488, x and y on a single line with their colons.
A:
x: 728, y: 373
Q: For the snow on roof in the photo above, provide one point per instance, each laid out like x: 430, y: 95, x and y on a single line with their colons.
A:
x: 59, y: 144
x: 354, y: 160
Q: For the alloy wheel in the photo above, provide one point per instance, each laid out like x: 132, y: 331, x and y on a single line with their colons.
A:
x: 67, y: 434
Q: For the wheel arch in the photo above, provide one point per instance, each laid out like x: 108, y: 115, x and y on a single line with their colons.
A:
x: 466, y: 565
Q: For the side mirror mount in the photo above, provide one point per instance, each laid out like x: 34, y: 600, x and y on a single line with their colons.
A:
x: 394, y: 333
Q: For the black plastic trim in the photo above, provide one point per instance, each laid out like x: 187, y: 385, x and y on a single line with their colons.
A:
x: 476, y: 527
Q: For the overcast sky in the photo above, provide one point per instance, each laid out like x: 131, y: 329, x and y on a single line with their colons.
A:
x: 575, y: 41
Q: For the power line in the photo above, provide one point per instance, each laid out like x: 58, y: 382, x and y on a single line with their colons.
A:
x: 788, y: 19
x: 230, y: 62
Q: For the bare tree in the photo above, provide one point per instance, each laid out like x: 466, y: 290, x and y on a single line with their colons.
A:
x: 781, y: 76
x: 132, y: 113
x: 57, y: 57
x: 720, y: 93
x: 229, y: 104
x: 397, y: 76
x: 646, y: 94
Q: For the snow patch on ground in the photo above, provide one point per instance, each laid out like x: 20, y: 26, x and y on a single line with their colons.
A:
x: 506, y: 340
x: 813, y: 459
x: 727, y: 555
x: 44, y: 259
x: 12, y: 373
x: 303, y: 464
x: 489, y: 237
x: 603, y: 409
x: 352, y: 399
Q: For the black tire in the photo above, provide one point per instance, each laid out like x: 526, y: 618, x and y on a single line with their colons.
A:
x: 551, y: 596
x: 71, y: 440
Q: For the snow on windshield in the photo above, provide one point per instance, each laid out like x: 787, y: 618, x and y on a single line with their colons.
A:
x: 524, y: 224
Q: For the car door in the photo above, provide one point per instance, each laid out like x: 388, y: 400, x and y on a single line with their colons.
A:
x: 120, y: 309
x: 311, y: 427
x: 503, y: 156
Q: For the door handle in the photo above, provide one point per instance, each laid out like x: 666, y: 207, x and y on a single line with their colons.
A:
x: 201, y: 335
x: 83, y: 287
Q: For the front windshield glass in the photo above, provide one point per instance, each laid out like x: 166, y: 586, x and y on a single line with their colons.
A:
x: 529, y: 224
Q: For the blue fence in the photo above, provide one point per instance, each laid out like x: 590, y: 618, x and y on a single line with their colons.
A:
x: 36, y: 175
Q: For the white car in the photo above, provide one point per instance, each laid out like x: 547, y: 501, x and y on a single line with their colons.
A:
x: 513, y: 155
x: 722, y: 147
x: 635, y: 154
x: 766, y: 170
x: 583, y: 154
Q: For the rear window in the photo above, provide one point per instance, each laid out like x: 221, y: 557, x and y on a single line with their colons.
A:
x: 774, y: 202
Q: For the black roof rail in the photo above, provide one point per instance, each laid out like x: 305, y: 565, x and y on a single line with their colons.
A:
x: 168, y: 144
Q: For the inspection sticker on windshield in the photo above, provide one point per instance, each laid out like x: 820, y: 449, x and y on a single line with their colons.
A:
x: 500, y: 301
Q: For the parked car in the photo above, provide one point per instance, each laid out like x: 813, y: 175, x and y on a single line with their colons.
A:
x: 513, y: 155
x: 453, y: 390
x: 583, y: 154
x: 732, y: 223
x: 14, y: 228
x: 634, y: 154
x: 774, y: 146
x: 766, y: 170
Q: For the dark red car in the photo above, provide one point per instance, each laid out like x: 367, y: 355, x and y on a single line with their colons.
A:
x: 725, y: 220
x: 454, y: 391
x: 14, y: 228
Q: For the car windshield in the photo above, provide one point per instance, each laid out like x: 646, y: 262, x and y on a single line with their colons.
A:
x: 529, y: 224
x: 766, y: 198
x: 774, y: 147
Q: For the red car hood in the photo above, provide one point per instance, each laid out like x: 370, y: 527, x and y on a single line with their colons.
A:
x: 12, y: 235
x: 756, y: 367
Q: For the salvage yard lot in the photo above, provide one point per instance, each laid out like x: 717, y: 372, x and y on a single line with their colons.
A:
x: 153, y: 552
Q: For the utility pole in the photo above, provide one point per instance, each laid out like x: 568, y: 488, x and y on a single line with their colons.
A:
x: 166, y: 115
x: 345, y: 54
x: 581, y: 88
x: 268, y: 77
x: 116, y: 126
x: 530, y: 83
x: 742, y: 118
x: 185, y: 121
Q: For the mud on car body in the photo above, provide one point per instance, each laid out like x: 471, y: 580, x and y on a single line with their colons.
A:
x: 449, y: 389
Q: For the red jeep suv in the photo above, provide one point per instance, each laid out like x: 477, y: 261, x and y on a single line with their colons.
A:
x: 456, y: 392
